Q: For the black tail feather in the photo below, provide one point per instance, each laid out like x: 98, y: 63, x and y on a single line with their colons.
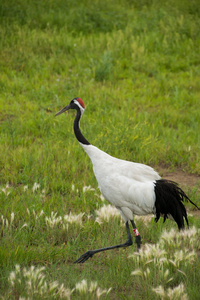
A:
x: 169, y: 201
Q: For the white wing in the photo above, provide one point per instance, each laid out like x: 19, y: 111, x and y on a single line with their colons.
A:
x: 128, y: 186
x: 105, y: 163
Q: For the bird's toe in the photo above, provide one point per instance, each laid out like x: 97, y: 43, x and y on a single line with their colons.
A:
x: 84, y: 257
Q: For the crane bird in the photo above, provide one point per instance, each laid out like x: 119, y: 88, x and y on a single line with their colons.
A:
x: 133, y: 188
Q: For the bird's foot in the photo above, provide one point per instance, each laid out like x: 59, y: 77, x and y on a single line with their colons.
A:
x: 84, y: 257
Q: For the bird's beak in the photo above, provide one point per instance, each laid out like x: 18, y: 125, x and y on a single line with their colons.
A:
x: 63, y: 110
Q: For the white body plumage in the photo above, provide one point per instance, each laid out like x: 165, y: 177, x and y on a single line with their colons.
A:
x: 127, y: 185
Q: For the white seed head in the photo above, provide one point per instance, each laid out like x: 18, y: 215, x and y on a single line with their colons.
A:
x: 25, y: 188
x: 106, y: 212
x: 88, y: 188
x: 35, y: 187
x: 74, y: 218
x: 82, y: 286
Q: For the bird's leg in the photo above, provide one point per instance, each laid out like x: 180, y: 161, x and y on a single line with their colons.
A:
x: 137, y: 235
x: 90, y: 253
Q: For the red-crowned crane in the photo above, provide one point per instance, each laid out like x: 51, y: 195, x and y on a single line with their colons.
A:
x: 133, y: 188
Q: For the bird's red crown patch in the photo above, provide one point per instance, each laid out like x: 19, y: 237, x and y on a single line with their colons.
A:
x: 81, y: 102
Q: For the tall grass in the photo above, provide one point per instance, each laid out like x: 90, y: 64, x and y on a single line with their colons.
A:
x: 136, y: 66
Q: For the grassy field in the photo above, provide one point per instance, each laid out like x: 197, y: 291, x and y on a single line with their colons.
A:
x: 136, y: 65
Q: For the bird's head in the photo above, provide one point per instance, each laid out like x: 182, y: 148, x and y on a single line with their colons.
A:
x: 76, y: 103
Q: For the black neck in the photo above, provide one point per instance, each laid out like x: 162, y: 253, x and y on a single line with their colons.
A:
x: 77, y: 130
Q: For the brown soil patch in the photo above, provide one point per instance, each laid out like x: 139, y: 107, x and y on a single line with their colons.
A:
x: 181, y: 177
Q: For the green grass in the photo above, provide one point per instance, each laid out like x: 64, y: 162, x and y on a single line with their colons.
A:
x: 135, y: 64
